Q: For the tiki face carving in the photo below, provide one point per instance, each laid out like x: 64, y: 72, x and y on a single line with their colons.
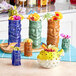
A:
x: 16, y: 58
x: 27, y: 49
x: 53, y: 31
x: 14, y: 32
x: 53, y: 28
x: 35, y: 33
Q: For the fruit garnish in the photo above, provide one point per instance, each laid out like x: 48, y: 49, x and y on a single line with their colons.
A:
x: 14, y: 11
x: 50, y: 46
x: 65, y: 36
x: 29, y: 16
x: 14, y: 14
x: 15, y: 17
x: 11, y: 18
x: 54, y: 18
x: 47, y: 16
x: 44, y: 46
x: 59, y: 15
x: 28, y: 40
x: 50, y: 50
x: 15, y: 48
x: 15, y: 7
x: 22, y: 17
x: 34, y: 17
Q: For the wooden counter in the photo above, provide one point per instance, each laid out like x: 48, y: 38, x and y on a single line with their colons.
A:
x: 31, y: 68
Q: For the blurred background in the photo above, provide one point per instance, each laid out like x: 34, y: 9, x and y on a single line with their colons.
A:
x: 26, y: 7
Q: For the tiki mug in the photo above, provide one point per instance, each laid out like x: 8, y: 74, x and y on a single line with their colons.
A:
x: 16, y: 58
x: 28, y: 49
x: 53, y: 32
x: 14, y: 31
x: 35, y: 29
x: 65, y: 44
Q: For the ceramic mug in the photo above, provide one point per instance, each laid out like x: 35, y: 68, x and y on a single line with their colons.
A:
x: 35, y: 29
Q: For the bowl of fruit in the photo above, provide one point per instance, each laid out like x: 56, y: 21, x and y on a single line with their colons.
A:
x: 50, y: 56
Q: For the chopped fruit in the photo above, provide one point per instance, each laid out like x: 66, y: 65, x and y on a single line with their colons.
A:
x: 14, y: 11
x: 11, y: 18
x: 50, y: 50
x: 54, y: 18
x: 22, y: 17
x: 43, y: 46
x: 57, y: 16
x: 29, y: 16
x: 15, y: 7
x: 28, y: 40
x: 34, y: 17
x: 16, y: 17
x: 15, y: 48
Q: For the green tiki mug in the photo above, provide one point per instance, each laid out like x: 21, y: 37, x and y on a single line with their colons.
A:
x: 35, y: 28
x: 65, y: 44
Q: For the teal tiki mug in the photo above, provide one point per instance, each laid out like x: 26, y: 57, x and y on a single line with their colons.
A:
x: 65, y: 44
x: 35, y: 28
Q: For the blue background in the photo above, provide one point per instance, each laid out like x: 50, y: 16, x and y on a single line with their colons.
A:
x: 69, y: 56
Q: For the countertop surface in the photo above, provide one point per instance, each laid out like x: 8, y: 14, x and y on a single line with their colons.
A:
x: 62, y: 7
x: 31, y: 68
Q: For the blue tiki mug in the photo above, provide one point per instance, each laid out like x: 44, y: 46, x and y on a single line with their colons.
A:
x: 16, y: 58
x: 14, y: 30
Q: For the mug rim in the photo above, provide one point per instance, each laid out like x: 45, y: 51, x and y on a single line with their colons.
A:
x: 14, y: 20
x: 35, y: 21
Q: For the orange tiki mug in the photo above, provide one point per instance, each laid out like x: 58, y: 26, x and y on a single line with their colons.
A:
x: 53, y: 32
x: 28, y: 47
